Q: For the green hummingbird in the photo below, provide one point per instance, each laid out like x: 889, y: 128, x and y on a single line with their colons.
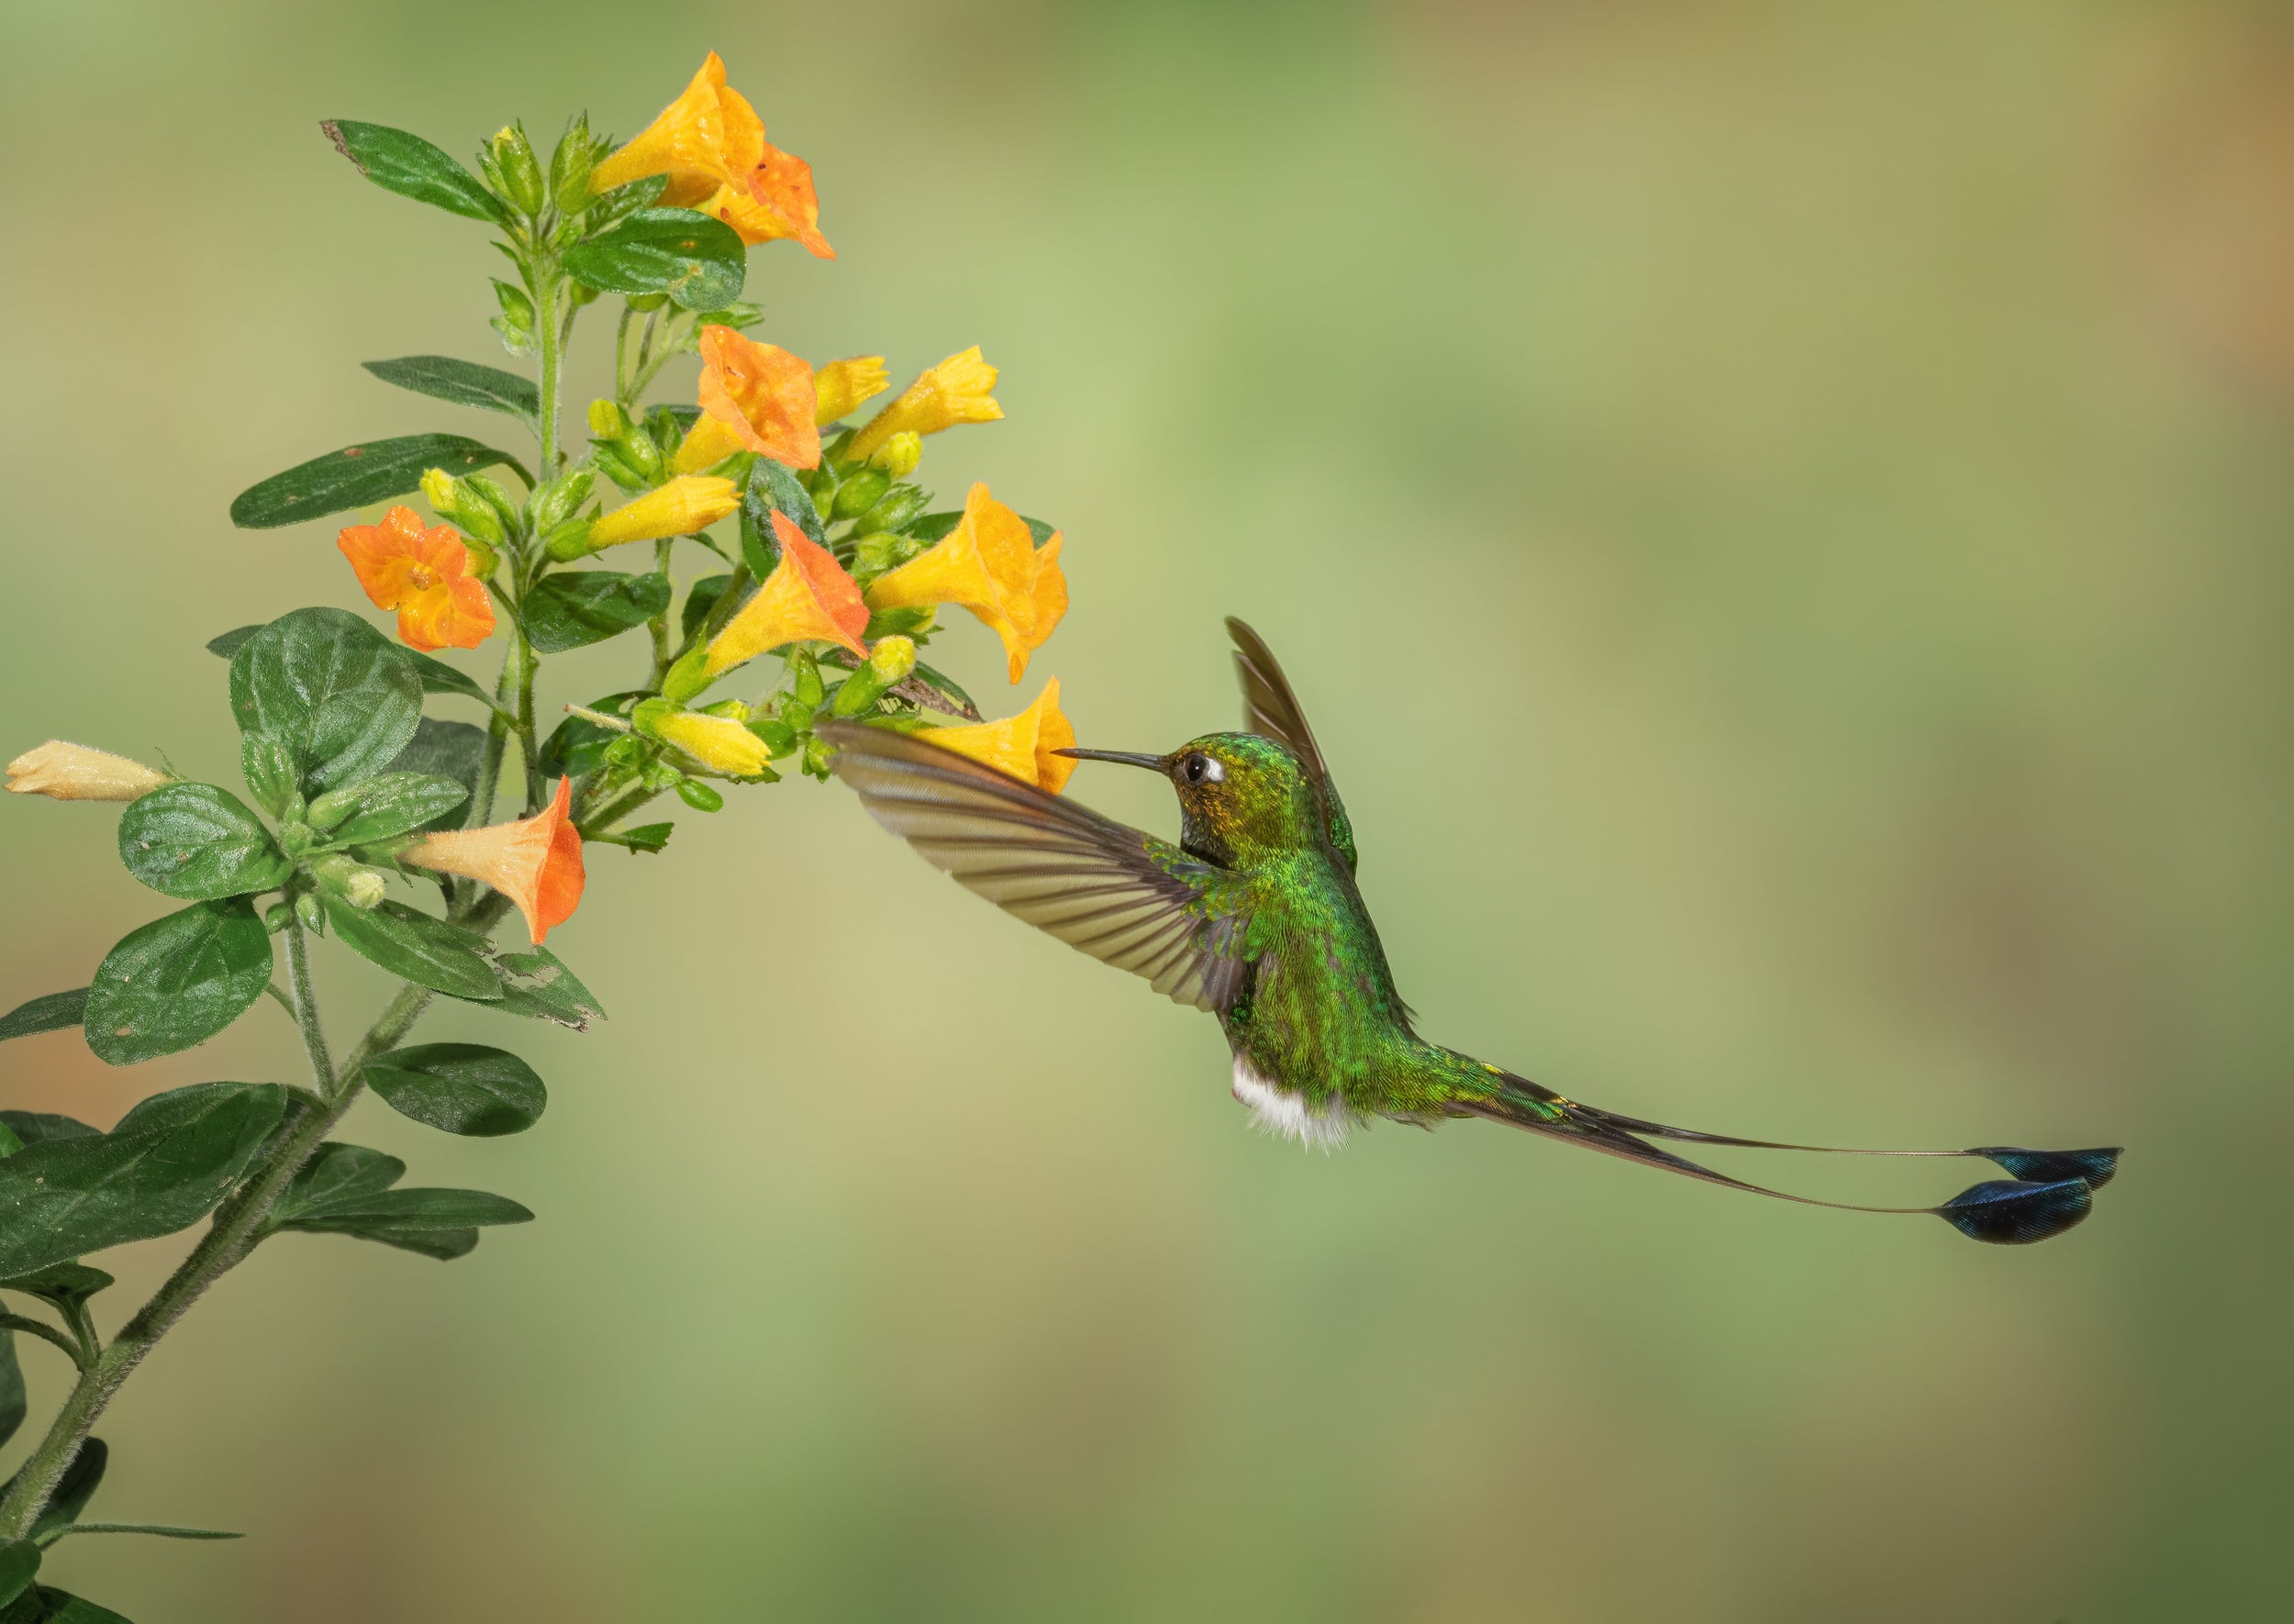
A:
x: 1254, y: 916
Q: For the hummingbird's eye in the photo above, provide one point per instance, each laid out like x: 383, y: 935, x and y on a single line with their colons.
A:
x: 1201, y: 769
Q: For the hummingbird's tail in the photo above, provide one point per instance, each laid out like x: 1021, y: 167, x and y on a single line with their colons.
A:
x: 2049, y: 1190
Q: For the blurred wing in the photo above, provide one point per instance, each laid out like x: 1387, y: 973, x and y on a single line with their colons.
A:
x: 1271, y: 710
x: 1123, y: 897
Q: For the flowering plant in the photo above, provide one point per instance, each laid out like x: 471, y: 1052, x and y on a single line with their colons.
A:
x: 831, y: 558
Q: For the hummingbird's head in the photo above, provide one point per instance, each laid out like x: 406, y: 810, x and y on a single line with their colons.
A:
x: 1239, y: 795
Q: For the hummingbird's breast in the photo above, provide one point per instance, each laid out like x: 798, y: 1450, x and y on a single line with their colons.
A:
x: 1318, y: 1030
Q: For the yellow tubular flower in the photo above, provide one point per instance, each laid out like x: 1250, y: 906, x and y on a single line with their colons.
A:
x: 718, y: 743
x: 842, y: 385
x: 762, y: 393
x: 685, y: 506
x: 956, y: 391
x: 807, y: 597
x: 65, y: 771
x: 1021, y: 745
x: 705, y: 444
x: 709, y: 137
x: 990, y: 565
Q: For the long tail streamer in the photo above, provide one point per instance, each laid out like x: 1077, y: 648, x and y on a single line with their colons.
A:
x: 2047, y: 1192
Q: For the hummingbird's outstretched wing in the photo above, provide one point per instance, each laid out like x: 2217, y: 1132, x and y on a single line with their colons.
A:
x: 1271, y: 710
x: 1120, y: 895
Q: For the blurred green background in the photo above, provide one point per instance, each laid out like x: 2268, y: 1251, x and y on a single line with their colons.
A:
x: 1780, y: 513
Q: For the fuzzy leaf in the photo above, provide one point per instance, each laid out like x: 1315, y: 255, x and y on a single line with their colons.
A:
x: 199, y: 843
x: 176, y: 982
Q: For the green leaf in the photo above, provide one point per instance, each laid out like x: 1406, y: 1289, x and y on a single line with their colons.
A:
x: 417, y: 946
x: 576, y: 607
x: 20, y: 1560
x: 412, y: 167
x: 336, y: 693
x: 64, y: 1285
x: 165, y: 1166
x: 465, y: 1088
x: 419, y: 1209
x: 932, y: 526
x: 360, y: 475
x: 228, y: 644
x: 199, y: 843
x: 438, y: 677
x: 539, y: 985
x: 577, y: 745
x: 646, y: 837
x: 392, y: 803
x: 74, y: 1489
x: 32, y: 1127
x: 14, y: 1405
x: 165, y: 1530
x: 465, y: 383
x: 269, y: 769
x: 337, y: 1174
x: 699, y: 262
x: 700, y: 598
x: 41, y: 1604
x: 176, y: 982
x: 50, y: 1013
x: 444, y: 750
x: 445, y: 1245
x: 772, y: 488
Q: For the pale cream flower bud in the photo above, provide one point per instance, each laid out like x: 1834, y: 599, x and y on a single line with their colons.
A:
x: 65, y: 771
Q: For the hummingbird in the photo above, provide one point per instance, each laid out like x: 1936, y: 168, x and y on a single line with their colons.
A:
x: 1255, y: 918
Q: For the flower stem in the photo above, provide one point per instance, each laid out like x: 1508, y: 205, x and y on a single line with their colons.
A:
x: 238, y: 1226
x: 305, y: 1008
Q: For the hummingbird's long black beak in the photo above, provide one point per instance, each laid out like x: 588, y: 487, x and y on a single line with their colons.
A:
x: 1127, y: 758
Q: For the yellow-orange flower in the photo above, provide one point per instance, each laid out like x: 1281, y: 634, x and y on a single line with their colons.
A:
x: 536, y: 862
x: 956, y: 391
x: 840, y: 386
x: 65, y: 771
x: 755, y: 397
x: 1021, y: 745
x: 709, y: 137
x: 711, y: 145
x: 991, y: 565
x: 718, y: 743
x: 807, y: 597
x: 687, y: 506
x: 775, y: 201
x: 423, y: 575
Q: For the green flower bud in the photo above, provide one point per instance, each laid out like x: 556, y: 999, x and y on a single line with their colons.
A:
x: 458, y: 504
x: 625, y: 751
x: 900, y: 504
x: 805, y: 679
x: 296, y: 837
x: 570, y: 166
x: 818, y: 755
x: 607, y: 420
x: 859, y: 492
x: 555, y: 502
x: 644, y: 302
x: 332, y: 807
x: 519, y: 170
x: 568, y: 541
x: 688, y: 676
x: 275, y: 917
x: 899, y: 455
x: 516, y: 324
x: 346, y: 877
x: 511, y: 513
x: 667, y: 433
x: 699, y: 796
x: 312, y: 912
x: 881, y: 552
x: 727, y: 708
x: 909, y: 620
x: 889, y: 663
x: 616, y: 467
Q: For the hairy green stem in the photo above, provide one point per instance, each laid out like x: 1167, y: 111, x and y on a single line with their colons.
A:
x: 238, y: 1226
x: 616, y: 811
x: 41, y: 1328
x: 306, y: 1007
x: 552, y: 341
